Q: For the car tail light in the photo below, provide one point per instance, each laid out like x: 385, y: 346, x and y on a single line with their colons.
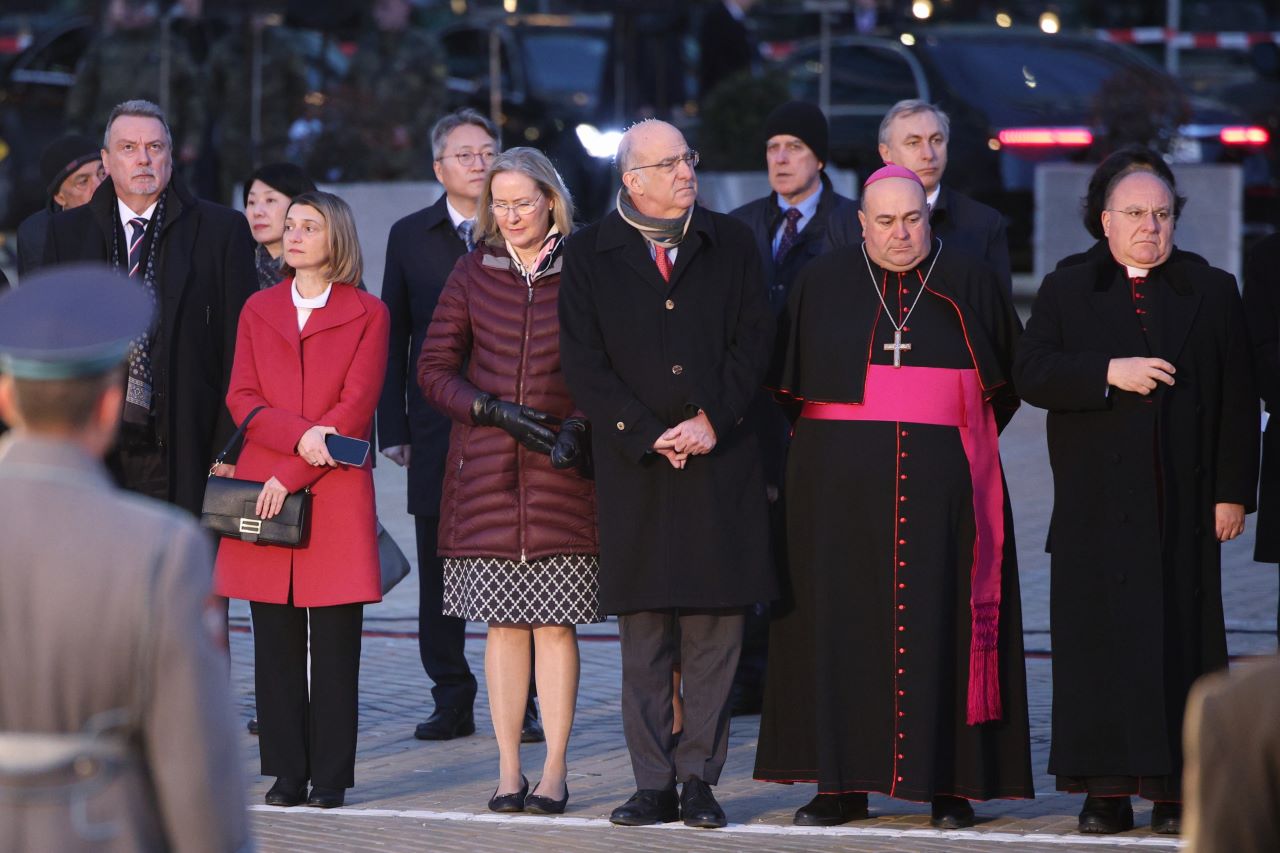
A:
x: 1040, y: 137
x: 1244, y: 136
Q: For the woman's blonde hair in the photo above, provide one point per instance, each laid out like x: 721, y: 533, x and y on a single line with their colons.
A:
x: 346, y: 263
x: 534, y: 165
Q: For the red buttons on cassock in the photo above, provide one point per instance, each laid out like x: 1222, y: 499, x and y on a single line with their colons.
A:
x: 901, y: 670
x: 902, y: 627
x: 903, y: 520
x: 902, y: 651
x: 902, y: 542
x: 902, y: 607
x: 902, y: 693
x: 902, y: 563
x: 902, y: 586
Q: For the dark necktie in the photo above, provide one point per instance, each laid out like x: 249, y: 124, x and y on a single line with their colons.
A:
x: 465, y: 228
x: 789, y: 234
x: 138, y: 230
x: 1139, y: 299
x: 661, y: 258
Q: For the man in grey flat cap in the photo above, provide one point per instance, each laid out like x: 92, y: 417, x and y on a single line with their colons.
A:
x: 115, y: 719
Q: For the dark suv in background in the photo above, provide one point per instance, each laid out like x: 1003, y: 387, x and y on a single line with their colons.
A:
x: 1018, y: 97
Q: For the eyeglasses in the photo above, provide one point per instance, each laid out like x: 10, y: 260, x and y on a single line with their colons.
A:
x: 522, y: 208
x: 1138, y: 214
x: 466, y: 158
x: 669, y: 165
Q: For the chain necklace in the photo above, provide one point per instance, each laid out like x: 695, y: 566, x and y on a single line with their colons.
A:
x: 898, y: 346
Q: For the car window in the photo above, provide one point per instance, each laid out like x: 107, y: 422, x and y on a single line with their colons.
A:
x: 1029, y: 80
x: 566, y: 65
x: 861, y: 75
x: 54, y: 62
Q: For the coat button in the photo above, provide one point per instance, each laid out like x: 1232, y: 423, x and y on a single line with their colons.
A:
x: 621, y: 425
x: 677, y: 369
x: 670, y: 305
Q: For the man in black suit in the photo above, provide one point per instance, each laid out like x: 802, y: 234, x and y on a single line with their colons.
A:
x: 789, y: 225
x: 915, y: 134
x: 421, y: 252
x: 195, y: 260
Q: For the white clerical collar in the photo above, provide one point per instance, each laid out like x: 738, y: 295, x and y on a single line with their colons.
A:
x: 932, y: 198
x: 300, y: 301
x: 1136, y: 272
x: 126, y: 212
x: 454, y: 216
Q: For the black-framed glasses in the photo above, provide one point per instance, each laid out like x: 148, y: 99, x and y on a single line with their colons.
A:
x: 669, y: 165
x: 522, y: 208
x: 466, y: 158
x: 1139, y: 214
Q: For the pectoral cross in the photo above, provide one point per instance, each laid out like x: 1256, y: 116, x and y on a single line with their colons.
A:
x: 897, y: 346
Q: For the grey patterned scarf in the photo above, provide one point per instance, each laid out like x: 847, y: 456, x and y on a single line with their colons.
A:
x: 667, y: 233
x: 138, y: 402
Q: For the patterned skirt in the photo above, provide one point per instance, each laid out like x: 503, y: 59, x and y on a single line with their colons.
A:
x: 563, y: 589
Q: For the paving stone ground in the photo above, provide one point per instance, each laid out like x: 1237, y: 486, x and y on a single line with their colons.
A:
x: 417, y: 796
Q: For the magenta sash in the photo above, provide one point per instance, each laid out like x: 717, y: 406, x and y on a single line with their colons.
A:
x: 946, y: 397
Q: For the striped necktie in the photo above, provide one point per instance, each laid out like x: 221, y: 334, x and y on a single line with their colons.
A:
x: 465, y: 227
x: 138, y: 229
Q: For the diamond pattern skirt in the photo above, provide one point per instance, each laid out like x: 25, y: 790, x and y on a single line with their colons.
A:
x: 563, y: 589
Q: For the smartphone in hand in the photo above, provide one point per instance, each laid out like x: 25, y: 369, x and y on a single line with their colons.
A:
x: 346, y: 450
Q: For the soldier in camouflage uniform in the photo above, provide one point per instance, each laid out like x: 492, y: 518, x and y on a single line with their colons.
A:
x: 397, y: 91
x: 229, y: 98
x: 127, y: 62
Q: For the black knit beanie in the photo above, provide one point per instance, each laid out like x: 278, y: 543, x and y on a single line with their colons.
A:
x: 63, y: 156
x: 803, y: 121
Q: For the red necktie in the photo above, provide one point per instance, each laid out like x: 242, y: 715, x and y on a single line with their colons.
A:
x: 664, y: 262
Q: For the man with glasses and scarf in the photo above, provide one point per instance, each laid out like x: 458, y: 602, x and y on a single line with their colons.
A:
x: 195, y: 260
x: 666, y: 334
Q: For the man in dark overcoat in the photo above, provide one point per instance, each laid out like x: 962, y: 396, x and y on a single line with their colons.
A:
x: 421, y: 252
x: 195, y: 259
x: 665, y: 338
x: 788, y: 225
x: 915, y: 134
x: 1143, y: 363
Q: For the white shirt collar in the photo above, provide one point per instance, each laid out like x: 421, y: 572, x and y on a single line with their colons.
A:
x: 300, y: 301
x: 126, y: 213
x: 932, y: 198
x: 1136, y: 272
x: 454, y: 216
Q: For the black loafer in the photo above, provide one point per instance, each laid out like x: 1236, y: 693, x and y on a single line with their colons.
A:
x: 951, y: 813
x: 447, y: 724
x: 1106, y: 815
x: 508, y: 803
x: 647, y: 807
x: 832, y: 810
x: 1166, y: 818
x: 698, y: 805
x: 538, y: 804
x: 326, y: 798
x: 287, y: 792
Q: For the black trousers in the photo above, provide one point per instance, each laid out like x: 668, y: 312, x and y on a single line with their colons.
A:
x: 308, y: 734
x: 441, y: 639
x: 706, y: 644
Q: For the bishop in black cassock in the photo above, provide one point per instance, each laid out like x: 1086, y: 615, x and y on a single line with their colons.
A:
x: 897, y: 663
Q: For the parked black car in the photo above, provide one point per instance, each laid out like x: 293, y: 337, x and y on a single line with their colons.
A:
x: 1018, y: 97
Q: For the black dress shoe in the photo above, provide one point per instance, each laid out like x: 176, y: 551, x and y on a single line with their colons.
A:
x: 646, y: 807
x: 326, y: 798
x: 447, y: 724
x: 531, y: 730
x: 1166, y: 818
x: 1106, y: 815
x: 510, y: 802
x: 538, y: 804
x: 698, y: 805
x: 253, y: 726
x: 951, y: 813
x: 832, y: 810
x: 287, y: 792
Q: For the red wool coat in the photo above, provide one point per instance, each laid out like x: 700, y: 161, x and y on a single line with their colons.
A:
x: 330, y: 373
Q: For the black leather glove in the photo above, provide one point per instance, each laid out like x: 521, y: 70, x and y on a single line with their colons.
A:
x: 572, y: 447
x: 525, y: 425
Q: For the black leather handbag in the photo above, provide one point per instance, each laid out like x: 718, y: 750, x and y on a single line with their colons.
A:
x: 229, y: 504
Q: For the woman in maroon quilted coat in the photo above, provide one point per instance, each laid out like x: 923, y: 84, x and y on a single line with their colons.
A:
x: 517, y: 513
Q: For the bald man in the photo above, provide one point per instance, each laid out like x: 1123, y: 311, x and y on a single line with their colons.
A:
x: 898, y: 666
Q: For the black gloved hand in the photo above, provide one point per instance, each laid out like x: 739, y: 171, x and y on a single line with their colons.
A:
x: 525, y: 425
x: 571, y: 446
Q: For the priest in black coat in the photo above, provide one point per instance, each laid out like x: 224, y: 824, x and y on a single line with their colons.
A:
x: 196, y: 259
x: 898, y: 665
x: 1143, y: 363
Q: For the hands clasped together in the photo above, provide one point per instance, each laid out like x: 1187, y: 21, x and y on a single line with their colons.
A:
x: 692, y: 437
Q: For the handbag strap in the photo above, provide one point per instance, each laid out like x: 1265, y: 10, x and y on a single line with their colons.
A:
x: 236, y: 436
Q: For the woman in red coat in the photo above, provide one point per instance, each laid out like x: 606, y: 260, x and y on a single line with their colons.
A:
x: 517, y: 516
x: 312, y: 350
